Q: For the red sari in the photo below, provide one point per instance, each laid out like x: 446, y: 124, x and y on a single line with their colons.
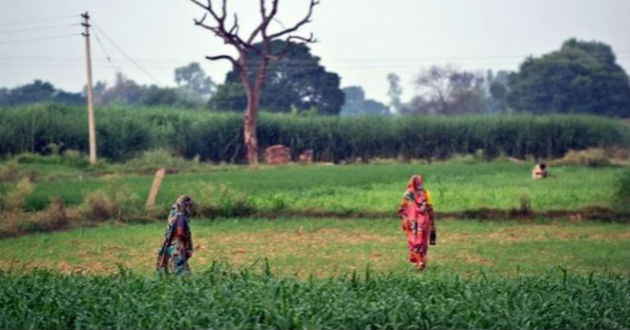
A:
x: 416, y: 214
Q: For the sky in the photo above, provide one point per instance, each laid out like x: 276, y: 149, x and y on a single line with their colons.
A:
x: 361, y: 40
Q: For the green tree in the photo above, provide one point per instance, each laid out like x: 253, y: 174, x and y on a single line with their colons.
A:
x: 581, y: 77
x: 497, y: 91
x: 296, y: 80
x: 356, y: 104
x: 353, y: 100
x: 394, y: 92
x: 156, y: 96
x: 228, y: 97
x: 129, y: 92
x: 39, y: 91
x: 193, y: 82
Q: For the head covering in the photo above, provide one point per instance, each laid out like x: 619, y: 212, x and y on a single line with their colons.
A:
x: 183, y: 204
x: 414, y: 182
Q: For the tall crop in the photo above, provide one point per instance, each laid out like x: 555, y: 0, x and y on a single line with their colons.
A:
x: 222, y: 299
x: 124, y: 132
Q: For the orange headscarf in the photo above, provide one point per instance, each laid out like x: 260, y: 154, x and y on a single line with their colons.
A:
x: 412, y: 187
x: 414, y: 182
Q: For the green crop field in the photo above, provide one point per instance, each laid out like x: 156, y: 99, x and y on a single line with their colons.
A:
x: 217, y: 299
x: 322, y: 274
x: 455, y: 186
x: 292, y: 269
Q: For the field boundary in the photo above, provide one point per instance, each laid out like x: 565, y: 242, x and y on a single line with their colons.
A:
x: 593, y: 213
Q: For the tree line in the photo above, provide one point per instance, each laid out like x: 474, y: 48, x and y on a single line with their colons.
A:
x: 193, y: 89
x: 580, y: 77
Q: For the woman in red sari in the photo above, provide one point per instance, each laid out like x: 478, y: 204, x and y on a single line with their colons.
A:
x: 416, y: 214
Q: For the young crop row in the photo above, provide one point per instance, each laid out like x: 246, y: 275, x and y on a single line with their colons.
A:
x: 226, y: 299
x: 123, y: 132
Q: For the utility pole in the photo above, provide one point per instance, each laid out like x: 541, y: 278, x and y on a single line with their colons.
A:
x: 90, y: 96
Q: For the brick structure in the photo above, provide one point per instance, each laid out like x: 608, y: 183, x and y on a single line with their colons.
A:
x: 306, y: 157
x: 278, y: 154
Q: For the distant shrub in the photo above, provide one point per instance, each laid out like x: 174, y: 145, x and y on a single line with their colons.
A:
x: 152, y: 159
x: 74, y: 158
x: 116, y: 201
x: 52, y: 218
x: 97, y: 205
x: 55, y: 214
x: 622, y: 195
x: 14, y: 199
x: 70, y: 158
x: 9, y: 171
x: 10, y: 224
x: 590, y: 157
x: 211, y: 201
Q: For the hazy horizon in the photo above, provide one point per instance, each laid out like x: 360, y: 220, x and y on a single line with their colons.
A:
x: 360, y: 43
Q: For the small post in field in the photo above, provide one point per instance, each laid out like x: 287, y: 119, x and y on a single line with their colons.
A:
x: 155, y: 187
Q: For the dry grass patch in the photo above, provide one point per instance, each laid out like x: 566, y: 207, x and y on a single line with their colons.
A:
x: 329, y: 247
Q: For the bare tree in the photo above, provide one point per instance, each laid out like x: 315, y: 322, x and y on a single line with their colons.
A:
x: 448, y: 91
x: 253, y: 78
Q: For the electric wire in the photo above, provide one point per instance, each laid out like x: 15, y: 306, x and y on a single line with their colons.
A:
x: 109, y: 59
x: 338, y: 63
x: 125, y: 54
x: 48, y: 19
x: 40, y: 38
x: 38, y: 28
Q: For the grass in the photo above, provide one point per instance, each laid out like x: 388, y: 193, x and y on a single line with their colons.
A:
x: 328, y: 273
x: 455, y: 186
x: 322, y: 248
x: 224, y: 299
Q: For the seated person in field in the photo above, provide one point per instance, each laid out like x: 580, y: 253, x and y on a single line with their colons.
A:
x: 539, y: 171
x: 177, y: 246
x: 418, y: 221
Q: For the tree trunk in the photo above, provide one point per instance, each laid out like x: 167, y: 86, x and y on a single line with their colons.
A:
x: 253, y: 90
x: 249, y: 129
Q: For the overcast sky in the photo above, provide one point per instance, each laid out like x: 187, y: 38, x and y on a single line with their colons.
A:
x: 361, y: 40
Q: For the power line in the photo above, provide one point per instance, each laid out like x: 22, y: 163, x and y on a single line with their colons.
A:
x: 41, y: 64
x: 38, y: 28
x: 37, y: 39
x: 288, y: 60
x: 124, y: 53
x: 70, y: 65
x: 169, y: 68
x: 342, y: 61
x: 364, y: 66
x: 335, y: 64
x: 100, y: 43
x: 48, y: 19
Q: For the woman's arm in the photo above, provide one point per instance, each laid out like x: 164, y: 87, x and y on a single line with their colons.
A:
x: 182, y: 233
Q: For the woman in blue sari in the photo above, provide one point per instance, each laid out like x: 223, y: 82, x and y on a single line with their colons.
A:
x: 177, y: 246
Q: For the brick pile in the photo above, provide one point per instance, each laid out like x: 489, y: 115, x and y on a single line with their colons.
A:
x: 278, y: 154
